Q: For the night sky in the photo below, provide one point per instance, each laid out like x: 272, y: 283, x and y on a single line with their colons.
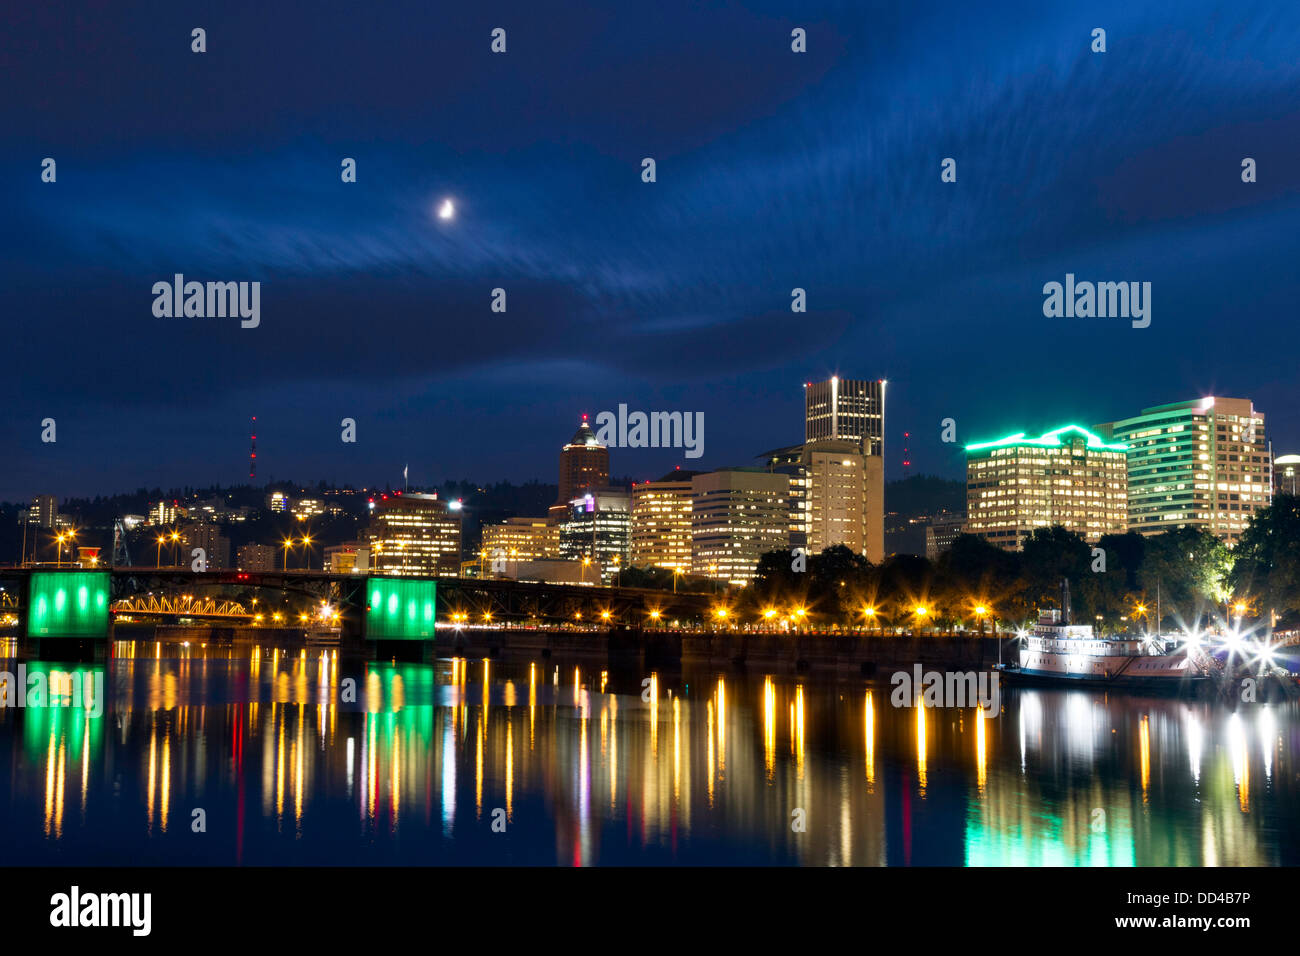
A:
x: 775, y: 170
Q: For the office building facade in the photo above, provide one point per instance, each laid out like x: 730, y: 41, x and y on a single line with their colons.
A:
x: 597, y: 531
x: 842, y: 409
x: 1069, y: 476
x: 1202, y: 463
x: 737, y: 516
x: 661, y: 522
x: 416, y: 535
x: 518, y: 539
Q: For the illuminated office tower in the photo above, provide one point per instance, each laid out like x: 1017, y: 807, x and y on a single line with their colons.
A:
x: 597, y: 531
x: 661, y: 522
x: 417, y: 535
x: 584, y: 465
x: 737, y: 516
x: 1196, y: 464
x: 521, y: 539
x: 842, y: 409
x: 836, y: 497
x: 1068, y: 476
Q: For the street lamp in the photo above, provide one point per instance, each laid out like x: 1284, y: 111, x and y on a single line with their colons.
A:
x: 288, y: 543
x: 175, y: 536
x: 981, y: 612
x: 585, y: 562
x: 306, y: 546
x: 920, y: 611
x: 158, y: 556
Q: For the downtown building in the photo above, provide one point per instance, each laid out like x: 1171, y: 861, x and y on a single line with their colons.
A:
x: 1203, y: 463
x: 415, y: 535
x: 836, y: 496
x: 836, y: 493
x: 255, y: 557
x: 842, y: 409
x: 596, y: 530
x: 661, y: 522
x: 519, y: 539
x: 215, y: 545
x: 1069, y: 477
x: 737, y: 516
x: 584, y: 467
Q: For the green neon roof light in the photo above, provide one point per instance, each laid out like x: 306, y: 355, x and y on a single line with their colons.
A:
x: 1049, y: 440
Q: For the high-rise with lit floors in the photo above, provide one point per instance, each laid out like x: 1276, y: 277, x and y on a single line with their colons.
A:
x: 661, y: 522
x: 836, y: 496
x: 843, y: 409
x: 596, y: 530
x: 1069, y: 476
x: 584, y: 465
x: 737, y: 516
x: 417, y: 535
x: 1202, y: 463
x: 520, y: 539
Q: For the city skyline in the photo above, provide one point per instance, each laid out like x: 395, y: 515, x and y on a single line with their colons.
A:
x: 821, y: 172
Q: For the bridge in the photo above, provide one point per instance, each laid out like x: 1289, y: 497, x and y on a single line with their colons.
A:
x: 84, y: 603
x: 155, y: 606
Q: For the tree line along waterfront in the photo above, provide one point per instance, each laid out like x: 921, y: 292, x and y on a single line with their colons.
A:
x: 1119, y: 585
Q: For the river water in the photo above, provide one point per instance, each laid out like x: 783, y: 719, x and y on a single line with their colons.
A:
x: 254, y: 756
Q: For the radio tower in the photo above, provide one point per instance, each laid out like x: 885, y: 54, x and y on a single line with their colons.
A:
x: 252, y: 450
x: 907, y: 461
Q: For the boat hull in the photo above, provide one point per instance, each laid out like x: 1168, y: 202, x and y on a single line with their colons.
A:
x: 1174, y: 672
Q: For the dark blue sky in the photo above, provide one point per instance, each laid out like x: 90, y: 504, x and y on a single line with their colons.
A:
x: 775, y: 170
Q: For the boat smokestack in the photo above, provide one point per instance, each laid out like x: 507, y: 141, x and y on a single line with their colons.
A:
x: 1065, y: 601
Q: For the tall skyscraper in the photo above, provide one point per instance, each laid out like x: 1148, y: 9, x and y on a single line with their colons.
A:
x: 584, y: 465
x: 1068, y: 476
x: 417, y: 535
x: 1202, y: 463
x: 842, y: 409
x: 737, y: 516
x: 661, y: 522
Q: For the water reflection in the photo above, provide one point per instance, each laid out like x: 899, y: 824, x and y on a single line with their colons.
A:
x: 305, y: 757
